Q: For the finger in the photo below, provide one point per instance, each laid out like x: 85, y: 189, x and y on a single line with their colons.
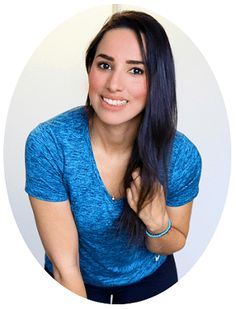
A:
x: 162, y: 194
x: 137, y: 182
x: 135, y: 192
x: 137, y: 178
x: 130, y: 199
x: 136, y: 173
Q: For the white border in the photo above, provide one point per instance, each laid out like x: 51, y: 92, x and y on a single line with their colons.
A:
x: 210, y: 24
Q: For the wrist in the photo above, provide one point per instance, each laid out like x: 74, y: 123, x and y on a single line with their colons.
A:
x: 164, y: 232
x: 158, y: 227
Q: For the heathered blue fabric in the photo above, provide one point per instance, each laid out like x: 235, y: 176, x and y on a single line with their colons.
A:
x: 60, y: 165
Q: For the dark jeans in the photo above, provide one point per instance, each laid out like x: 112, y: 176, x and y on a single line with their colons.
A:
x: 159, y: 281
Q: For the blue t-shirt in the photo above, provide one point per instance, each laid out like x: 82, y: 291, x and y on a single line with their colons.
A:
x: 60, y: 166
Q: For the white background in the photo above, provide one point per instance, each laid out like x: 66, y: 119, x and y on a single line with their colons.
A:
x: 210, y: 25
x: 55, y: 80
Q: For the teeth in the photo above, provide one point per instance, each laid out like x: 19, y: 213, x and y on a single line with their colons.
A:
x: 115, y: 102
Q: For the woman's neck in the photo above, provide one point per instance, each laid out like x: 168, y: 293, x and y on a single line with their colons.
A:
x: 113, y: 139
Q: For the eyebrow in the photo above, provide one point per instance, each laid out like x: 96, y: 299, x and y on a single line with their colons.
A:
x: 112, y: 59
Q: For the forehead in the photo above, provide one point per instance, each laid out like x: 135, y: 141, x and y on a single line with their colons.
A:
x: 120, y: 42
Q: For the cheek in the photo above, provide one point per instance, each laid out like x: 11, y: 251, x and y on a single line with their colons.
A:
x: 94, y: 81
x: 143, y: 91
x: 140, y: 91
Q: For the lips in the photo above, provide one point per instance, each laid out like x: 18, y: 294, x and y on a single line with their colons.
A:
x: 115, y: 101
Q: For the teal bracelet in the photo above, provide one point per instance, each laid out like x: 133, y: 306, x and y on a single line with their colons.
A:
x: 162, y: 233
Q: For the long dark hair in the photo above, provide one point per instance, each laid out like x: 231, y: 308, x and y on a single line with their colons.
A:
x: 152, y: 146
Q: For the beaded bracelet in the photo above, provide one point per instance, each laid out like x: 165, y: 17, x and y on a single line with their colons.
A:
x: 162, y: 233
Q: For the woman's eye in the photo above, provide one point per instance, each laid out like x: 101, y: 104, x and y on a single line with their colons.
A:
x: 104, y: 66
x: 137, y: 71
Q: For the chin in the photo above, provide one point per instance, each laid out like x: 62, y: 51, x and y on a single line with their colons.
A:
x: 118, y: 119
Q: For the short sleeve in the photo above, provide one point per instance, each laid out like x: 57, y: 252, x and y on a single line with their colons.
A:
x: 44, y: 166
x: 184, y: 173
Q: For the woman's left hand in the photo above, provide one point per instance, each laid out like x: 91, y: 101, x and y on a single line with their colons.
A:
x: 153, y: 213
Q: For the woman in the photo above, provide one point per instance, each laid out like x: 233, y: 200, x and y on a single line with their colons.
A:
x: 112, y: 183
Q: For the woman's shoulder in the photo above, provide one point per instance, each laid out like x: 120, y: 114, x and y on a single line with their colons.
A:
x: 62, y: 125
x: 185, y: 156
x: 183, y: 146
x: 185, y: 171
x: 75, y: 117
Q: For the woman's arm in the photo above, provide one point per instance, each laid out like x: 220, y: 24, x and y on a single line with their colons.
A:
x: 175, y: 239
x: 59, y: 236
x: 155, y: 215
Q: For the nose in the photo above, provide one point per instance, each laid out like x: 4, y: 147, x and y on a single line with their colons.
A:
x: 115, y: 81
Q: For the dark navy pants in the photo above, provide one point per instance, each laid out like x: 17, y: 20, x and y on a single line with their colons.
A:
x: 159, y: 281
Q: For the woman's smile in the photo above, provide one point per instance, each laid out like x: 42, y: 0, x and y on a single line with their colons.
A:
x: 113, y: 104
x: 117, y: 78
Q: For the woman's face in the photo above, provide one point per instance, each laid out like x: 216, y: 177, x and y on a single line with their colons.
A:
x: 117, y: 78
